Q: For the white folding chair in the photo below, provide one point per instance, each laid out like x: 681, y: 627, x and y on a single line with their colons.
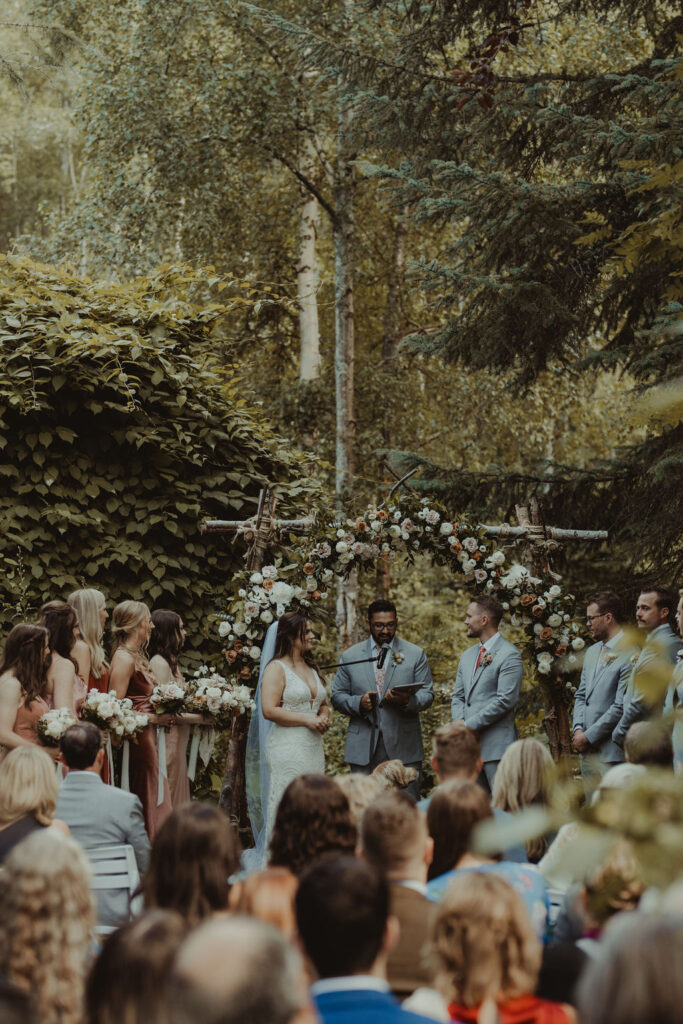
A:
x: 115, y: 867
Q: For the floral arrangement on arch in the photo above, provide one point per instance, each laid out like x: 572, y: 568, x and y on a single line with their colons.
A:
x: 407, y: 528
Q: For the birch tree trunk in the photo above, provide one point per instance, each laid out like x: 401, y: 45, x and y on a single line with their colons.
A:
x: 307, y: 269
x: 347, y: 592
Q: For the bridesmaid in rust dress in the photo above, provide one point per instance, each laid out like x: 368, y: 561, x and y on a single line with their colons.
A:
x: 129, y: 676
x: 23, y: 682
x: 90, y: 607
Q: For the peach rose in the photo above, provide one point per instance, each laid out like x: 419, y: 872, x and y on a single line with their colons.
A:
x: 527, y: 599
x: 383, y: 515
x: 268, y: 585
x: 361, y: 526
x: 237, y: 646
x: 546, y: 633
x: 231, y: 657
x: 245, y: 673
x: 309, y: 568
x: 537, y: 611
x: 561, y: 651
x: 316, y: 595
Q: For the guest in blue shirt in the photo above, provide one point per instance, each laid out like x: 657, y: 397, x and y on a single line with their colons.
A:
x: 454, y: 812
x: 342, y: 912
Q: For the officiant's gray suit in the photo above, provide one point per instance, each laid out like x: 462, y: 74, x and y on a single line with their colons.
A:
x: 101, y: 815
x: 659, y: 652
x: 390, y: 728
x: 599, y: 701
x: 485, y: 699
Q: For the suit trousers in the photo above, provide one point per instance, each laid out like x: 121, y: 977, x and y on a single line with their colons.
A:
x: 487, y: 775
x: 379, y: 757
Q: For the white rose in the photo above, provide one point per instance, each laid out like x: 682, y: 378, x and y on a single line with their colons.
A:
x: 578, y: 644
x: 376, y: 526
x: 506, y: 606
x: 544, y: 668
x: 554, y: 591
x: 267, y: 617
x: 327, y: 576
x: 311, y: 584
x: 341, y: 547
x: 470, y: 565
x: 223, y: 628
x: 480, y: 575
x: 241, y: 592
x: 255, y: 653
x: 432, y: 517
x: 514, y: 601
x: 540, y: 602
x: 554, y: 620
x: 572, y: 659
x: 341, y: 533
x: 213, y: 692
x: 240, y: 628
x: 282, y: 593
x: 269, y: 572
x: 446, y: 529
x: 537, y: 627
x: 256, y: 578
x: 498, y: 558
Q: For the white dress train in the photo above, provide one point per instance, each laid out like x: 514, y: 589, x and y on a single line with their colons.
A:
x: 293, y: 750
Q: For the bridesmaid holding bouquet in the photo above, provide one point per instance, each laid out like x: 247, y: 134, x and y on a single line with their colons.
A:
x: 130, y: 676
x: 65, y: 687
x: 165, y: 645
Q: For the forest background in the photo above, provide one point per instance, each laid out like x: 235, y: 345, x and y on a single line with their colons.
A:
x: 303, y: 242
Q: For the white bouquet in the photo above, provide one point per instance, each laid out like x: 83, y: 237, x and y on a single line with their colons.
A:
x: 132, y: 721
x: 168, y: 698
x: 112, y: 715
x: 53, y: 724
x: 211, y: 693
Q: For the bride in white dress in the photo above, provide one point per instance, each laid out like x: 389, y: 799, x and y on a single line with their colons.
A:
x: 294, y: 701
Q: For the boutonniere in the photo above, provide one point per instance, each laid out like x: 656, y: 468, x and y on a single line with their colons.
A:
x: 610, y: 657
x: 487, y: 659
x: 634, y: 657
x: 398, y: 658
x: 679, y: 654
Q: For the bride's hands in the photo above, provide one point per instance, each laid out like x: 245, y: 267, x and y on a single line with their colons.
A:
x: 320, y: 723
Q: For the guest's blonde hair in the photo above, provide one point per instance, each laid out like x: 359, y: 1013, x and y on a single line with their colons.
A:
x: 484, y: 943
x: 47, y: 919
x: 28, y: 785
x: 393, y: 774
x: 523, y: 779
x: 269, y: 896
x: 88, y: 603
x: 360, y: 790
x: 126, y: 617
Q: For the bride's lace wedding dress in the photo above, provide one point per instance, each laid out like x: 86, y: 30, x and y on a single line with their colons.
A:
x: 293, y: 750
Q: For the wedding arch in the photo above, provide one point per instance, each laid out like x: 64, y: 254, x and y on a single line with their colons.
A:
x: 532, y: 594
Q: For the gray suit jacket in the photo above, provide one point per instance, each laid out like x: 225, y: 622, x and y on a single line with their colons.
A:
x: 599, y: 701
x: 400, y: 727
x: 101, y: 815
x: 660, y: 651
x: 485, y: 701
x: 674, y: 703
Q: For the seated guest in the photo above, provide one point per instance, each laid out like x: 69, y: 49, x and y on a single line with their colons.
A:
x: 456, y: 809
x: 15, y: 1005
x: 313, y: 818
x: 269, y: 896
x: 128, y: 983
x: 28, y: 796
x: 238, y: 971
x: 23, y: 687
x: 360, y: 791
x: 649, y: 743
x: 47, y: 918
x: 488, y: 954
x: 342, y: 913
x: 193, y: 856
x: 637, y: 979
x: 523, y: 779
x: 99, y: 815
x: 394, y: 774
x: 456, y: 754
x: 395, y: 841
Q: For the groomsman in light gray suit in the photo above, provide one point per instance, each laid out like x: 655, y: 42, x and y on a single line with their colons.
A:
x: 487, y: 685
x: 383, y: 698
x: 599, y: 699
x: 97, y: 814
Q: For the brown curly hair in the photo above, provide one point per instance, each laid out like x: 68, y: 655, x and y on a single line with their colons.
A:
x: 47, y: 915
x: 313, y: 818
x: 484, y: 943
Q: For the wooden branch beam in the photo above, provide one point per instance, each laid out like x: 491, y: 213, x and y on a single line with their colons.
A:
x: 533, y: 532
x: 242, y: 525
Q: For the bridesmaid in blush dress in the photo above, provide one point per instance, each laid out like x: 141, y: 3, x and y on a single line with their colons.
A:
x: 65, y: 688
x: 23, y: 681
x: 90, y: 607
x: 130, y: 676
x: 165, y: 645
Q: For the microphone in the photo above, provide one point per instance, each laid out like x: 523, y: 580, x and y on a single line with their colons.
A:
x: 382, y: 656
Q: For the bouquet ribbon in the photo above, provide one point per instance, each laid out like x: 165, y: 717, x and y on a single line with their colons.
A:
x: 194, y: 751
x: 110, y: 759
x: 163, y: 768
x: 206, y: 745
x: 125, y: 767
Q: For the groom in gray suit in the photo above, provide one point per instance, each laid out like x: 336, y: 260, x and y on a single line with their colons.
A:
x: 383, y: 703
x: 599, y: 699
x: 487, y: 685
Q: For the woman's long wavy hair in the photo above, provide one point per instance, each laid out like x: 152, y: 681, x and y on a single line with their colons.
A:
x: 60, y: 620
x: 291, y: 627
x: 453, y: 812
x: 313, y: 818
x: 47, y: 918
x: 88, y: 603
x: 24, y: 656
x: 165, y: 640
x: 523, y: 779
x: 126, y: 618
x: 28, y: 785
x: 193, y: 855
x: 484, y: 943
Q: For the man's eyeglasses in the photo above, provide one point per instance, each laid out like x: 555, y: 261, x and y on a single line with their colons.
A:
x: 591, y: 618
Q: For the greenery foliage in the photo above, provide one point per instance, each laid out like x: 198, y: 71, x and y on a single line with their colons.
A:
x: 119, y: 433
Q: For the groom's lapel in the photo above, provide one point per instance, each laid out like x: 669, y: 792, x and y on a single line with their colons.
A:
x: 391, y: 664
x: 468, y: 668
x: 370, y: 667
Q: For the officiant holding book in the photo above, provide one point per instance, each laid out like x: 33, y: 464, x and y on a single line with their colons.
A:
x: 382, y: 685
